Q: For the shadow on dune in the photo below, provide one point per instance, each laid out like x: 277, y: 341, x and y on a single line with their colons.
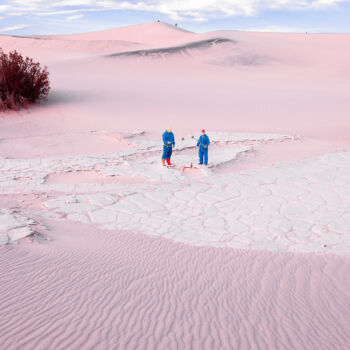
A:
x: 29, y: 37
x: 57, y: 97
x: 243, y: 59
x: 227, y: 58
x: 202, y: 44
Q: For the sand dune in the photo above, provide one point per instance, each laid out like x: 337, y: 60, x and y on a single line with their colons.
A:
x: 81, y: 177
x: 41, y: 47
x: 264, y: 83
x: 181, y: 49
x: 148, y: 33
x: 92, y: 289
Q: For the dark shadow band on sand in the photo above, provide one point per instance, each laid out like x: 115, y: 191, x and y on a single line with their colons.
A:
x: 25, y: 37
x: 65, y: 96
x: 202, y: 44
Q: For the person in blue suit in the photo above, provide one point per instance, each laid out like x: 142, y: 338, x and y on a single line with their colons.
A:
x: 203, y: 144
x: 168, y: 144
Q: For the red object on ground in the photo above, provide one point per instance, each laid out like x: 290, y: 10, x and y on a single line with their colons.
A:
x: 168, y: 161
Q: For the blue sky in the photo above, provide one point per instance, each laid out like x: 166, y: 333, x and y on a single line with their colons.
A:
x: 24, y: 17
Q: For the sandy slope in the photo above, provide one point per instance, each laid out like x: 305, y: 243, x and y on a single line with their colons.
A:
x: 128, y: 291
x: 147, y: 33
x: 78, y: 158
x: 257, y: 82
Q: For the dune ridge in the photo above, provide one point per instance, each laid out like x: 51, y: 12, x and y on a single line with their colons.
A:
x: 201, y: 45
x: 147, y: 33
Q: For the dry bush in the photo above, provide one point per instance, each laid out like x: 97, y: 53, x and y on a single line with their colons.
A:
x: 22, y: 81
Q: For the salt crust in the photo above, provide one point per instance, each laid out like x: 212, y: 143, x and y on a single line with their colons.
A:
x: 300, y: 206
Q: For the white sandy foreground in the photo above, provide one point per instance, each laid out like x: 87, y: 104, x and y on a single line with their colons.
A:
x: 294, y: 206
x: 103, y: 248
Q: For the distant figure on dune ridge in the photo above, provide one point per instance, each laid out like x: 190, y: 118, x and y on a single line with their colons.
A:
x: 168, y: 144
x: 203, y: 144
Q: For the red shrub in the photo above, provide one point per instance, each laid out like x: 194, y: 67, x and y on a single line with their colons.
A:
x: 21, y: 81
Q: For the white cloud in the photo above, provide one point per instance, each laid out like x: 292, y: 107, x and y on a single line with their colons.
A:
x: 64, y: 12
x: 15, y: 14
x: 74, y: 18
x: 200, y: 19
x: 4, y: 8
x: 326, y: 3
x: 13, y: 28
x: 1, y: 18
x: 198, y: 10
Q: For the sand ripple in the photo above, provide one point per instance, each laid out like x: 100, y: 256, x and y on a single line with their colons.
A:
x: 130, y: 291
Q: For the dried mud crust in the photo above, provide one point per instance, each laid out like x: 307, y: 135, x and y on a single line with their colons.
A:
x: 299, y: 206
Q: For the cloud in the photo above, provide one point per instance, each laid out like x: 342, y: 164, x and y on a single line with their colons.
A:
x: 4, y: 8
x: 178, y: 10
x: 326, y: 3
x: 13, y: 28
x: 74, y: 18
x: 64, y: 12
x: 200, y: 19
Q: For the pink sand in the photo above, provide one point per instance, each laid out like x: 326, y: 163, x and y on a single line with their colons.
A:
x: 127, y: 291
x: 105, y: 289
x: 147, y: 33
x: 287, y: 83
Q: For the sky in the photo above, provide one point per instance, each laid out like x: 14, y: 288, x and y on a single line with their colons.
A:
x: 27, y: 17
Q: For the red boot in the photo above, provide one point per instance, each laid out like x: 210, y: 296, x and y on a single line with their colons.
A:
x: 168, y: 161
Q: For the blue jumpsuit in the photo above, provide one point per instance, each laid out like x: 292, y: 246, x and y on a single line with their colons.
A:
x: 203, y: 144
x: 168, y: 144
